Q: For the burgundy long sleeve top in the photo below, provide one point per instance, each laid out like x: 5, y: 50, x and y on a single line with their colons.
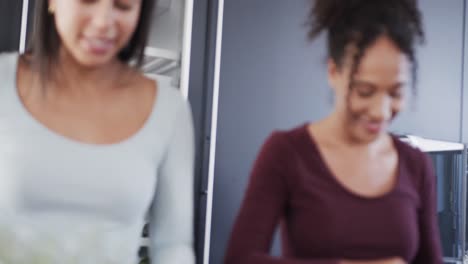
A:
x: 321, y: 221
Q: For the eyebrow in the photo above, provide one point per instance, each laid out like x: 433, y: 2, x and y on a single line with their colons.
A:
x: 129, y: 1
x: 366, y: 83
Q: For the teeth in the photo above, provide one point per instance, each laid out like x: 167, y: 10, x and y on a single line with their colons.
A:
x: 99, y: 43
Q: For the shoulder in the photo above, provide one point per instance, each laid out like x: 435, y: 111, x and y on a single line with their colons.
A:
x: 163, y: 89
x: 284, y: 142
x: 8, y: 58
x: 285, y: 135
x: 169, y: 101
x: 8, y: 64
x: 170, y: 107
x: 276, y: 160
x: 8, y: 73
x: 411, y: 155
x: 417, y: 163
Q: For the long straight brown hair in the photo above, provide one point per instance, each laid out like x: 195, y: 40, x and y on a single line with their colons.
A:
x: 45, y: 42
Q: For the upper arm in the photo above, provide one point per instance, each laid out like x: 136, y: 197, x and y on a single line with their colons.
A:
x: 430, y: 250
x: 171, y: 220
x: 263, y: 203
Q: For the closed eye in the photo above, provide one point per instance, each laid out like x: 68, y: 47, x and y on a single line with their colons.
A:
x: 123, y: 5
x: 363, y: 89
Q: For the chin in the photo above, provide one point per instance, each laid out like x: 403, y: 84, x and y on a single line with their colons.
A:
x: 366, y: 137
x: 92, y: 61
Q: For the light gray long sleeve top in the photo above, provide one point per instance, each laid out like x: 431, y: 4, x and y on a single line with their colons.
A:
x: 65, y: 201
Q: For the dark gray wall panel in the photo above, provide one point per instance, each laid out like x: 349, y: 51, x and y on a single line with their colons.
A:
x: 10, y: 24
x: 271, y: 78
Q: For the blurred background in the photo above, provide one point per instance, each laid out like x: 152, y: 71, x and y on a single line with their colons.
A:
x: 247, y: 69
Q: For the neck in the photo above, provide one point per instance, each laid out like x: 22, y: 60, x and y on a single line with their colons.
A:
x: 337, y: 129
x: 74, y: 79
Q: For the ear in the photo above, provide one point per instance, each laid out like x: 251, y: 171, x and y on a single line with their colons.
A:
x: 51, y: 5
x: 333, y: 72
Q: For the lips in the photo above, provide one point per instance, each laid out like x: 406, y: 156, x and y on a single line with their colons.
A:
x: 98, y: 46
x: 374, y: 127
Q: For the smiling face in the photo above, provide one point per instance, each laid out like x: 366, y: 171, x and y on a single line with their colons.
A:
x: 93, y: 32
x: 368, y: 102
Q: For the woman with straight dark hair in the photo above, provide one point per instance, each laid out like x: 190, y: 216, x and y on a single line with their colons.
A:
x: 90, y: 147
x: 345, y: 190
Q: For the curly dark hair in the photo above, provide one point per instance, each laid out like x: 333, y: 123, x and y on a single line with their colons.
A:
x: 361, y: 22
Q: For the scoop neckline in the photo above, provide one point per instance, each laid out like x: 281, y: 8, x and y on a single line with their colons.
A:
x: 314, y: 149
x: 55, y: 134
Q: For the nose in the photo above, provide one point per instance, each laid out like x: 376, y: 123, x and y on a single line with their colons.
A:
x: 381, y: 108
x: 103, y: 16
